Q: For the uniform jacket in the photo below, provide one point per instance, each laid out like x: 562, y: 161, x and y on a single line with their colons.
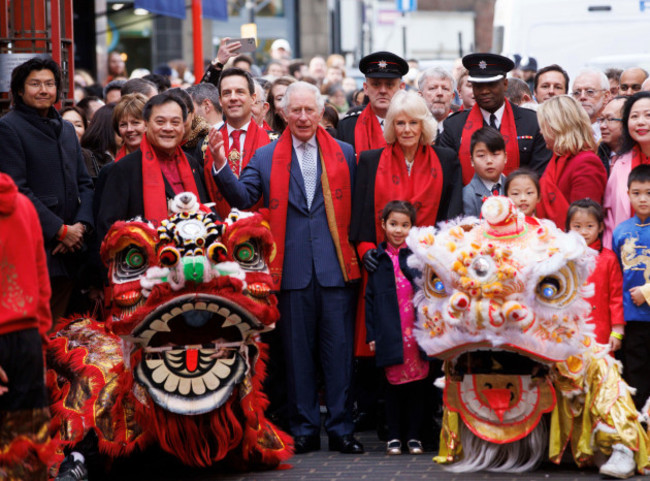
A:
x: 120, y: 184
x: 43, y: 156
x: 532, y: 147
x: 346, y: 126
x: 308, y: 242
x: 475, y: 191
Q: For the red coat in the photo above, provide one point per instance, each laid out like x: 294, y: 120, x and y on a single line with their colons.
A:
x: 583, y: 176
x: 607, y: 303
x: 24, y: 281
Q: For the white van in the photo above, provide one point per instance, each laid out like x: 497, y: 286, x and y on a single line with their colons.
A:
x: 575, y: 33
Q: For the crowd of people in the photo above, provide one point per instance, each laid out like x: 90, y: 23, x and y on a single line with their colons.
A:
x: 346, y: 170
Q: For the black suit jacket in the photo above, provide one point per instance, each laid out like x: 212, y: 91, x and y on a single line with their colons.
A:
x: 532, y: 146
x: 362, y: 223
x: 122, y: 196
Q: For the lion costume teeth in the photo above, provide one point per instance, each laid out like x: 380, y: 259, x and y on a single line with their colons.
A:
x: 178, y: 360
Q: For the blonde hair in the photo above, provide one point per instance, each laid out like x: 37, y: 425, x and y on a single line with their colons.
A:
x: 130, y: 104
x: 563, y: 119
x: 413, y: 105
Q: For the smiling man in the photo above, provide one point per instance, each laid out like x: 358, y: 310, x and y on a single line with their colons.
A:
x: 525, y: 145
x: 363, y: 127
x: 306, y: 179
x: 143, y: 182
x: 41, y: 152
x: 242, y: 135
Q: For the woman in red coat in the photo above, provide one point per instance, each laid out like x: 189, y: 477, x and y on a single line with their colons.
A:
x: 575, y: 171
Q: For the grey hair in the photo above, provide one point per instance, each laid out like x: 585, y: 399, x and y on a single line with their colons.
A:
x: 436, y: 73
x: 604, y: 81
x: 259, y: 90
x: 320, y: 100
x: 203, y: 91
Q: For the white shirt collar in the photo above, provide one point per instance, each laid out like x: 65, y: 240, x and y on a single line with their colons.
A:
x: 244, y: 128
x: 380, y: 120
x: 498, y: 114
x: 297, y: 143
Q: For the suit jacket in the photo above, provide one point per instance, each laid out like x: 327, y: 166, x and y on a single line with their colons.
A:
x: 122, y: 194
x: 532, y: 146
x: 362, y: 225
x: 43, y: 156
x: 309, y: 248
x: 474, y: 192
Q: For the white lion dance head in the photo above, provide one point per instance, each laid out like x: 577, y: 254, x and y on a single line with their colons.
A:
x: 501, y: 301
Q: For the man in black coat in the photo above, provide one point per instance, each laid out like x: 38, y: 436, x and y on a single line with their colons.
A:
x: 487, y: 72
x: 125, y: 194
x: 42, y: 154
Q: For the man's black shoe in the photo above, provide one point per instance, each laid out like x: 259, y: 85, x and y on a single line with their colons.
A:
x: 306, y: 444
x: 347, y: 444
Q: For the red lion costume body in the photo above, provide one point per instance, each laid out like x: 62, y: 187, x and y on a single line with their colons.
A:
x: 178, y: 361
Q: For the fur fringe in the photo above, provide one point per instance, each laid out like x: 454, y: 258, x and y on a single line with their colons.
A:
x: 518, y: 457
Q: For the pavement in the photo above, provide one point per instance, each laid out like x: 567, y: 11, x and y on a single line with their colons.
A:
x: 324, y: 465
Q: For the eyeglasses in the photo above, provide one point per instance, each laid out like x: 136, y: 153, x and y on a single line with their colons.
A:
x: 35, y: 84
x: 608, y: 120
x: 590, y: 93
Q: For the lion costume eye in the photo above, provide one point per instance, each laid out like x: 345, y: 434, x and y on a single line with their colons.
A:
x: 248, y: 254
x: 169, y: 256
x: 558, y: 289
x: 433, y: 285
x: 130, y: 262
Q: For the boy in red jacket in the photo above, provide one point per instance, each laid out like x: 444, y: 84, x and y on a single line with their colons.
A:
x: 25, y: 318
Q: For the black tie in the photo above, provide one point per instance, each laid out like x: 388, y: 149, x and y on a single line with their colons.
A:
x: 495, y: 189
x: 493, y: 121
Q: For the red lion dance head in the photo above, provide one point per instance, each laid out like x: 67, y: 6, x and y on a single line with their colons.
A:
x: 178, y: 361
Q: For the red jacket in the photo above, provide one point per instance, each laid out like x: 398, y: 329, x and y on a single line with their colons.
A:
x: 607, y: 303
x: 583, y: 176
x: 24, y: 281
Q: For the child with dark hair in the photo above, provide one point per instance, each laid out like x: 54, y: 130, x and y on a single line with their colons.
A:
x: 522, y: 187
x: 630, y: 242
x: 390, y: 321
x: 488, y: 152
x: 586, y: 217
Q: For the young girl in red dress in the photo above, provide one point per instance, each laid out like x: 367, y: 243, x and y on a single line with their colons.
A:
x: 390, y: 320
x: 586, y: 217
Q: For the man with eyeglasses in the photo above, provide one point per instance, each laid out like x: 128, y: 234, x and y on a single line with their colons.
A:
x: 611, y: 129
x: 591, y: 89
x: 41, y: 152
x: 631, y: 81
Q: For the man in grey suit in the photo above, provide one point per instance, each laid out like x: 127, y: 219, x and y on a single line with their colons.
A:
x: 305, y: 178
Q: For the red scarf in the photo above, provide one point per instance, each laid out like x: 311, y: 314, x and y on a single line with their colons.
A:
x: 553, y: 205
x: 153, y: 184
x: 508, y: 131
x: 256, y: 137
x: 422, y: 188
x: 367, y: 133
x: 335, y: 180
x: 266, y: 126
x: 121, y: 153
x: 638, y: 158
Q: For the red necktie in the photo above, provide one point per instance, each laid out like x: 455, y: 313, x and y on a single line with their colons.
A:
x: 235, y: 140
x: 234, y: 156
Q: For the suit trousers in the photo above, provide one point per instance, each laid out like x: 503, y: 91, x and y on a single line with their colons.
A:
x: 317, y: 328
